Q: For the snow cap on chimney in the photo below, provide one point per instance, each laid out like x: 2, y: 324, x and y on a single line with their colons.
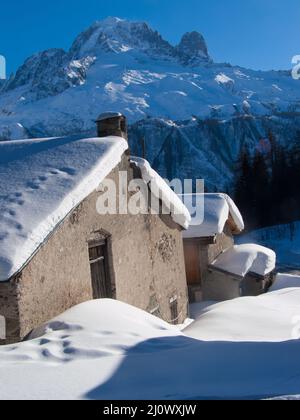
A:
x: 112, y: 124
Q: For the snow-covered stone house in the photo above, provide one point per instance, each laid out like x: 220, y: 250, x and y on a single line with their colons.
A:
x: 57, y: 250
x: 216, y: 268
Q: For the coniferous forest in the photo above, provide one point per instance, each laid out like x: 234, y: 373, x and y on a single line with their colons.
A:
x: 268, y: 184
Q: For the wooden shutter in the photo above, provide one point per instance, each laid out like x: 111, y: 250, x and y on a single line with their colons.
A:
x: 101, y: 281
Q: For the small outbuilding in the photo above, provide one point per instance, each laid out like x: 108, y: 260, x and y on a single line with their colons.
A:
x: 209, y: 244
x: 243, y: 270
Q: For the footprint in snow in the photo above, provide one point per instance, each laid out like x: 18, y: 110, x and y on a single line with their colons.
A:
x: 68, y: 171
x: 3, y: 236
x: 33, y: 185
x: 63, y: 171
x: 16, y: 199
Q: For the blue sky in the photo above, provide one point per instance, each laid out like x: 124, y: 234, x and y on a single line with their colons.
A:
x: 260, y: 34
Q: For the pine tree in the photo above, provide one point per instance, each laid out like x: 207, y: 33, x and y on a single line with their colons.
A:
x: 280, y: 187
x: 273, y: 144
x: 261, y: 188
x: 244, y: 193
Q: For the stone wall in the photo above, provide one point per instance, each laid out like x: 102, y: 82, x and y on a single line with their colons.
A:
x: 208, y: 250
x: 147, y: 265
x: 220, y: 286
x: 9, y: 309
x: 254, y: 285
x: 208, y: 255
x: 223, y: 241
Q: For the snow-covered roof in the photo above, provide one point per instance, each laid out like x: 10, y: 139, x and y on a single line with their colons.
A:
x: 107, y: 115
x: 42, y: 180
x: 217, y: 209
x: 249, y: 258
x: 160, y: 189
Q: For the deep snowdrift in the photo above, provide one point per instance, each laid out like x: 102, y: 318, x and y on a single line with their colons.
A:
x: 285, y: 281
x: 267, y: 318
x: 109, y: 350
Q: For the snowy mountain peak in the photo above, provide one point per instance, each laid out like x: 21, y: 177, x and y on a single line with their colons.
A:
x: 193, y: 49
x: 120, y: 36
x: 53, y: 71
x: 111, y: 20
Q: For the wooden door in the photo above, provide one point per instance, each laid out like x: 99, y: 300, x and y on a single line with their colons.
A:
x: 101, y: 281
x: 192, y: 263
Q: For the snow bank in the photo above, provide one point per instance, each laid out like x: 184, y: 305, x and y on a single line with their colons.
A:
x: 285, y: 281
x: 237, y: 349
x: 266, y: 318
x: 91, y: 316
x: 242, y: 259
x: 161, y: 190
x: 42, y: 180
x: 217, y: 209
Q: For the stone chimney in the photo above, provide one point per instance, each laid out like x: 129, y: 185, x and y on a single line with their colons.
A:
x: 112, y: 124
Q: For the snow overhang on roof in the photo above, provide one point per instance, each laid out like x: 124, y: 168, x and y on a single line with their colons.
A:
x: 108, y: 115
x: 217, y: 209
x: 248, y: 258
x: 161, y: 190
x: 42, y: 181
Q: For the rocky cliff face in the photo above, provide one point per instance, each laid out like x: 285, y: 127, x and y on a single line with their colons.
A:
x: 119, y: 36
x: 48, y: 74
x: 208, y: 149
x: 192, y: 49
x: 196, y: 115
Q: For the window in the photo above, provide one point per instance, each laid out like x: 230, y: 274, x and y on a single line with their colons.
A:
x: 174, y: 310
x: 101, y: 280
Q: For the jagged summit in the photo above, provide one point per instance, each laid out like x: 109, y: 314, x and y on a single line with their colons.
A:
x: 53, y: 71
x: 111, y: 20
x: 193, y: 48
x: 120, y: 36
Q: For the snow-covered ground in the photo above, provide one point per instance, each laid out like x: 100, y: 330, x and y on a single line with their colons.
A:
x: 283, y: 239
x: 285, y: 281
x: 109, y: 350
